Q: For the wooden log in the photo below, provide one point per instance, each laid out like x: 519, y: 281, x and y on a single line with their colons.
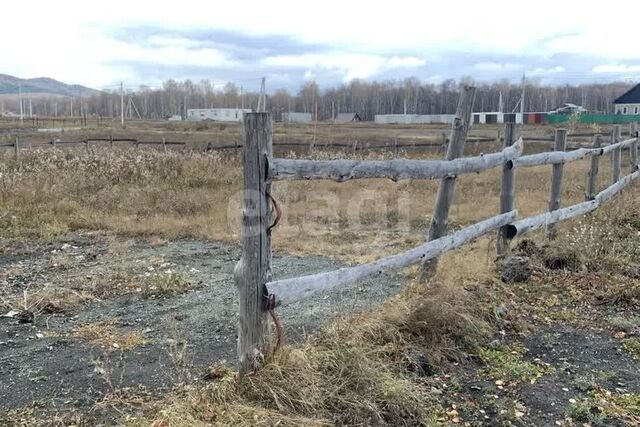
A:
x: 508, y: 187
x: 254, y: 268
x: 440, y: 217
x: 616, y: 155
x: 395, y: 170
x: 592, y: 174
x: 526, y: 225
x: 555, y: 157
x: 556, y: 179
x: 298, y: 288
x: 619, y: 145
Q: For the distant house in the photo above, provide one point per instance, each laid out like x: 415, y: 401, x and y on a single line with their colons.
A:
x: 629, y: 102
x: 216, y: 114
x: 347, y: 118
x: 569, y: 109
x: 293, y: 117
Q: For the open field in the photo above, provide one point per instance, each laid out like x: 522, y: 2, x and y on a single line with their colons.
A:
x: 126, y: 258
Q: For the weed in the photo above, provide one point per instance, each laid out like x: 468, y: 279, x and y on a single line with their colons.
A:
x: 106, y: 335
x: 632, y: 346
x: 585, y: 411
x: 508, y: 364
x: 165, y: 283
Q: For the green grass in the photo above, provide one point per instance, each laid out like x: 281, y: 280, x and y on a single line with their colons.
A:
x: 507, y: 364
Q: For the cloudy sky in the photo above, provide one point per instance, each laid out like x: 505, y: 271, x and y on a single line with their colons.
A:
x: 290, y: 42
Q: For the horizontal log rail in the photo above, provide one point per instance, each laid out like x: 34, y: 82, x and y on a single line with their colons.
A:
x: 622, y: 145
x: 396, y: 169
x: 294, y: 289
x: 555, y: 157
x: 526, y: 225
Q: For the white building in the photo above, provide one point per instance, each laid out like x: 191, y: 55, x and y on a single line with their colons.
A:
x: 629, y: 102
x: 216, y: 114
x: 478, y: 118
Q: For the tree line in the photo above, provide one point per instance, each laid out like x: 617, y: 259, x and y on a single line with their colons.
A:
x: 366, y: 98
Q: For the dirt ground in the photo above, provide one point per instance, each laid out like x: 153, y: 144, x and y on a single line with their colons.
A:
x: 46, y: 362
x: 50, y: 365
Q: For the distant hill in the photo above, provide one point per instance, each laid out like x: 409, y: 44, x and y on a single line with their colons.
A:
x: 41, y: 85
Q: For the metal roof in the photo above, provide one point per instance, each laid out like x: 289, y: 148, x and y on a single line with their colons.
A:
x: 632, y: 96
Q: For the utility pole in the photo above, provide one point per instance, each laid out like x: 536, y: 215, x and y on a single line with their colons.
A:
x: 21, y: 106
x: 522, y: 97
x: 122, y: 104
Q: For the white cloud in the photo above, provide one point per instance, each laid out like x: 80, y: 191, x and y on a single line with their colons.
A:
x: 496, y: 67
x: 351, y: 66
x: 546, y: 71
x: 616, y: 68
x: 70, y: 41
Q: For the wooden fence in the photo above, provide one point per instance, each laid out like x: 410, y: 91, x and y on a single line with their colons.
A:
x: 259, y: 294
x: 56, y: 143
x: 311, y: 146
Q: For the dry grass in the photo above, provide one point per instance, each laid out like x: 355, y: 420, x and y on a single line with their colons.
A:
x: 49, y: 193
x: 47, y: 300
x: 357, y: 371
x: 108, y: 336
x: 170, y: 195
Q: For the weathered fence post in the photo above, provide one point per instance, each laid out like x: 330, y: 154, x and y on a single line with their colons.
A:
x: 440, y: 218
x: 616, y: 155
x: 16, y: 148
x: 164, y: 145
x: 592, y: 174
x: 254, y: 268
x: 311, y: 148
x: 633, y: 149
x: 508, y: 186
x: 556, y: 179
x: 395, y: 147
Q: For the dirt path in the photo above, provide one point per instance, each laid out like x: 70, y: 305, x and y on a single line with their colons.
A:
x: 48, y: 363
